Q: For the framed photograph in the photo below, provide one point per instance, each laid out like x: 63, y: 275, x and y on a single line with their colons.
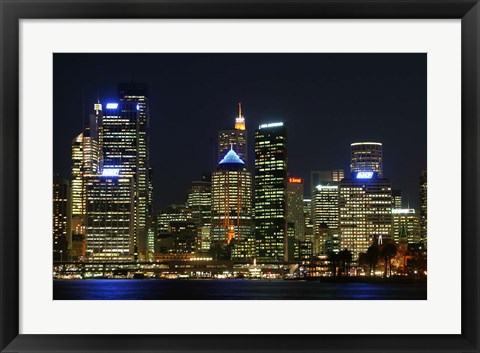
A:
x: 239, y: 176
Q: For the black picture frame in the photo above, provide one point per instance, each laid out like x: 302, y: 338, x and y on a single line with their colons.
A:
x: 12, y: 11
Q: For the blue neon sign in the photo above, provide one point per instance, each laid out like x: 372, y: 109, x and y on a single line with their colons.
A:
x: 364, y: 175
x: 112, y: 105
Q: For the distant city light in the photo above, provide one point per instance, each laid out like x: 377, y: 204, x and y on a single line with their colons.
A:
x: 320, y: 187
x: 364, y: 175
x: 138, y: 106
x: 112, y: 105
x: 365, y: 143
x: 110, y: 172
x: 403, y: 210
x: 264, y: 126
x: 295, y: 180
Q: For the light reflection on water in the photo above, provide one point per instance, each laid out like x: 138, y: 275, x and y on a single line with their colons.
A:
x: 233, y: 289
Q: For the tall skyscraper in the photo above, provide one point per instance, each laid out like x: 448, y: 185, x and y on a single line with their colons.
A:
x: 423, y: 207
x: 85, y: 161
x: 124, y: 144
x: 62, y: 235
x: 295, y: 207
x: 236, y: 138
x: 366, y: 157
x: 232, y: 225
x: 325, y: 216
x: 270, y: 191
x: 365, y: 211
x: 110, y: 217
x: 199, y: 201
x: 406, y: 220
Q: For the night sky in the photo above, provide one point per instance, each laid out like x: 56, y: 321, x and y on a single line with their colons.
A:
x: 327, y: 100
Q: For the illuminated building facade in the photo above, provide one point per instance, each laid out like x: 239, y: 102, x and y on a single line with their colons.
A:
x: 307, y: 214
x: 295, y: 207
x: 236, y: 138
x: 366, y: 157
x: 110, y: 217
x: 325, y: 215
x: 365, y: 211
x: 200, y: 201
x: 423, y: 207
x: 232, y: 225
x: 61, y: 219
x: 397, y: 199
x: 270, y: 191
x: 408, y: 220
x: 85, y: 161
x: 124, y: 144
x: 172, y: 213
x: 325, y: 177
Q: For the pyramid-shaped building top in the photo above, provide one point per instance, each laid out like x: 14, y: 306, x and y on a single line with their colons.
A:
x: 231, y: 159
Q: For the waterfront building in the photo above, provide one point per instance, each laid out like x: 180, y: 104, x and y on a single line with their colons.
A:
x: 234, y: 138
x: 423, y: 207
x: 110, y: 217
x: 232, y: 223
x: 295, y: 207
x: 199, y: 200
x: 270, y: 191
x: 366, y: 157
x: 408, y: 220
x: 325, y: 216
x: 61, y: 219
x: 365, y: 211
x: 124, y: 143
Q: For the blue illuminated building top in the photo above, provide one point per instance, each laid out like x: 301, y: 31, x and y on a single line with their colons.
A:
x: 231, y: 158
x: 112, y: 105
x: 364, y: 175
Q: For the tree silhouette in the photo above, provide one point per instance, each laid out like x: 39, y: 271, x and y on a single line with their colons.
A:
x: 387, y: 252
x: 345, y: 257
x: 373, y: 254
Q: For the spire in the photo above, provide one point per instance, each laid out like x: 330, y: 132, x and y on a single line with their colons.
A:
x: 240, y: 119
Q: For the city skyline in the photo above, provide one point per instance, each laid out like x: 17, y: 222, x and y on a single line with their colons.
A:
x: 198, y: 154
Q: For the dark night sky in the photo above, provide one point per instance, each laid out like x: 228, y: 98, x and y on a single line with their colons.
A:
x: 327, y: 100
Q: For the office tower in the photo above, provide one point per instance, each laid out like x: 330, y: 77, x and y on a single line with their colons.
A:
x: 325, y: 216
x: 110, y: 217
x: 307, y: 214
x: 270, y: 191
x: 365, y: 211
x: 61, y: 219
x: 406, y: 220
x: 236, y: 137
x: 396, y: 199
x: 366, y: 157
x: 423, y: 207
x: 199, y: 200
x: 124, y: 144
x: 172, y: 213
x: 85, y: 161
x: 151, y: 237
x: 325, y: 177
x: 295, y: 207
x: 232, y: 225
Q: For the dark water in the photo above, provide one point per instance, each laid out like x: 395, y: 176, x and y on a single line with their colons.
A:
x: 233, y: 289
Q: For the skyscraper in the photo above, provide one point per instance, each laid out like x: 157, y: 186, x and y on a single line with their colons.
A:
x: 365, y: 211
x: 423, y: 207
x: 232, y: 225
x: 236, y: 138
x: 270, y: 191
x: 406, y: 220
x: 110, y: 217
x: 61, y: 219
x: 199, y: 201
x: 397, y: 199
x: 325, y: 215
x: 85, y: 161
x: 295, y: 207
x: 124, y: 144
x: 366, y: 157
